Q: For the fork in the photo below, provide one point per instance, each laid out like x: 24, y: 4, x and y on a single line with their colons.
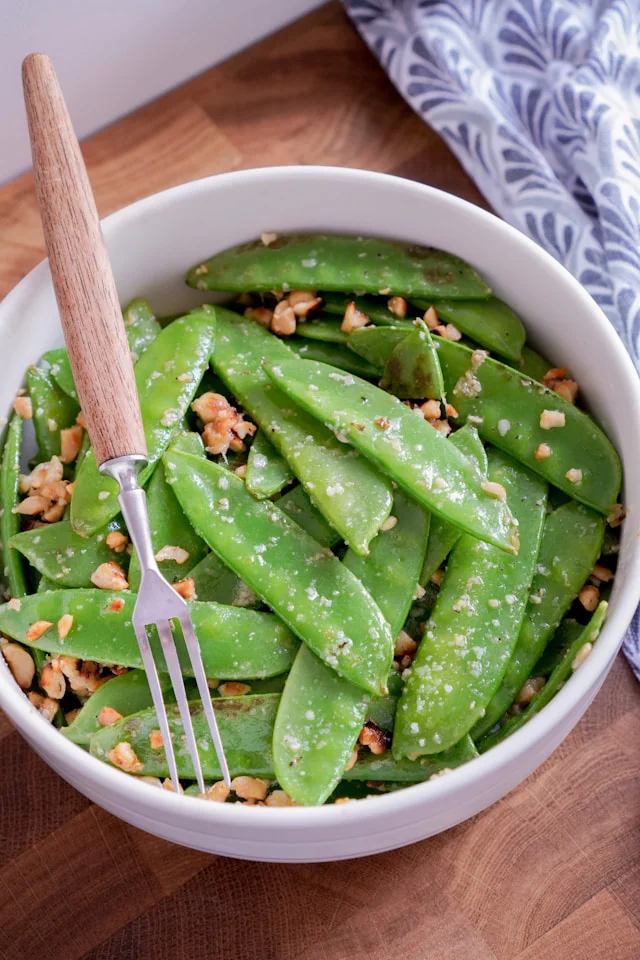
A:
x: 103, y: 371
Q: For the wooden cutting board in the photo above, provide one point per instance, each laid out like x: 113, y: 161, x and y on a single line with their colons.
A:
x: 552, y: 872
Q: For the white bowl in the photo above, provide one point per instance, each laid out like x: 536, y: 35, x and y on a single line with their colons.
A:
x: 152, y: 243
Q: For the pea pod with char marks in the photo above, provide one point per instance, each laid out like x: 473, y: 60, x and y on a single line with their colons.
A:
x: 304, y: 584
x: 267, y: 471
x: 413, y: 372
x: 167, y: 376
x: 53, y: 411
x: 339, y: 263
x: 13, y: 567
x: 569, y: 662
x: 474, y: 626
x: 333, y: 475
x: 235, y: 643
x: 571, y: 542
x: 416, y: 455
x: 491, y: 323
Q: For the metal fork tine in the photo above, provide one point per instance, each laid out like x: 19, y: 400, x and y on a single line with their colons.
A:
x: 158, y: 702
x: 193, y: 649
x: 175, y: 672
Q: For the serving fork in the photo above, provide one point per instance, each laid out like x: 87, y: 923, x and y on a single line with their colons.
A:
x: 103, y: 371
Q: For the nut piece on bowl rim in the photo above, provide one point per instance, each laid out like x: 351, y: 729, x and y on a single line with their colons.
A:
x: 152, y: 243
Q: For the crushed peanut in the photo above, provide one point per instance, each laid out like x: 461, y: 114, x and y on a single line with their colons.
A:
x: 268, y: 238
x: 555, y: 373
x: 278, y: 798
x: 123, y: 756
x: 23, y: 407
x: 168, y: 785
x: 84, y: 676
x: 602, y: 573
x: 616, y: 516
x: 353, y: 759
x: 262, y: 315
x: 431, y: 410
x: 543, y: 450
x: 303, y: 302
x: 116, y: 605
x: 52, y: 680
x: 442, y: 426
x: 46, y: 706
x: 567, y: 389
x: 581, y: 655
x: 552, y: 418
x: 70, y: 442
x: 64, y: 625
x: 21, y: 664
x: 241, y: 471
x: 574, y: 475
x: 353, y: 319
x: 155, y: 740
x: 404, y: 645
x: 589, y: 597
x: 186, y: 588
x: 117, y: 541
x: 533, y: 686
x: 178, y: 554
x: 389, y: 524
x: 108, y: 715
x: 437, y: 577
x: 223, y: 424
x: 218, y: 792
x: 110, y: 576
x: 382, y: 423
x: 374, y: 737
x: 450, y: 410
x: 249, y: 788
x: 494, y: 489
x: 37, y: 629
x: 232, y: 688
x: 284, y: 320
x: 431, y: 318
x: 451, y: 333
x: 398, y: 306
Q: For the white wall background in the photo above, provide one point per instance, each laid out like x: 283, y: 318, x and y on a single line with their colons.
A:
x: 113, y: 55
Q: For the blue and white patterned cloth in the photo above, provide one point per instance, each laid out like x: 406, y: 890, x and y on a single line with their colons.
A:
x: 540, y: 102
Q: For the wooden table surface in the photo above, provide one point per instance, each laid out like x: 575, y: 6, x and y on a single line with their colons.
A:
x: 552, y: 872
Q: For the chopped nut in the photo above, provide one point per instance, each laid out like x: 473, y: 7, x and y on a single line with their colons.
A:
x: 431, y: 410
x: 116, y: 605
x: 581, y: 655
x: 451, y: 332
x: 152, y: 781
x: 241, y: 471
x: 223, y: 423
x: 84, y: 676
x: 450, y: 410
x: 70, y: 442
x: 64, y: 625
x: 54, y: 513
x: 70, y: 716
x: 37, y: 629
x: 123, y: 756
x: 431, y: 318
x: 249, y: 788
x: 374, y: 737
x: 81, y: 420
x: 616, y: 516
x: 404, y: 645
x: 574, y: 475
x: 552, y: 418
x: 304, y: 302
x: 353, y: 318
x: 23, y: 407
x: 442, y: 426
x: 341, y: 800
x: 602, y: 573
x: 283, y: 321
x: 532, y: 686
x: 398, y: 306
x: 52, y: 424
x: 14, y: 604
x: 437, y: 577
x: 168, y: 552
x: 494, y: 489
x: 278, y: 798
x: 555, y: 373
x: 234, y: 689
x: 21, y: 664
x: 353, y: 759
x: 589, y: 597
x: 30, y: 506
x: 382, y: 423
x: 268, y: 238
x: 218, y: 792
x: 46, y: 706
x: 261, y: 315
x: 51, y: 471
x: 186, y: 588
x: 108, y: 715
x: 117, y: 541
x: 208, y: 406
x: 155, y: 740
x: 168, y: 785
x: 543, y: 450
x: 389, y: 524
x: 110, y: 576
x: 567, y: 389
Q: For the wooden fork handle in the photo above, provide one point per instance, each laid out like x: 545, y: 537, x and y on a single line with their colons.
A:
x: 81, y: 271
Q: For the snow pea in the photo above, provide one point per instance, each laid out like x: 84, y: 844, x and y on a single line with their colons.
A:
x: 322, y: 328
x: 141, y: 327
x: 333, y: 475
x: 267, y: 471
x: 129, y: 693
x: 44, y: 585
x: 342, y: 263
x: 474, y: 626
x: 533, y: 365
x: 215, y: 581
x: 317, y: 724
x: 304, y: 584
x: 490, y: 322
x: 376, y: 344
x: 53, y: 410
x: 413, y: 372
x: 334, y: 353
x: 85, y: 446
x: 376, y: 309
x: 13, y: 566
x: 571, y: 540
x: 297, y: 505
x: 416, y: 455
x: 386, y: 768
x: 558, y: 678
x: 443, y: 536
x: 555, y: 650
x: 60, y: 370
x: 65, y: 558
x: 507, y: 409
x: 235, y: 643
x: 167, y: 376
x: 245, y: 724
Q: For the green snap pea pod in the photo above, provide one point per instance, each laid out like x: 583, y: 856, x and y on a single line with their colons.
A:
x: 333, y: 475
x: 555, y: 650
x: 334, y: 353
x: 13, y: 566
x: 571, y: 541
x: 317, y: 724
x: 561, y: 673
x: 382, y: 712
x: 376, y: 309
x: 376, y: 344
x: 297, y: 505
x: 128, y: 693
x: 490, y: 322
x: 416, y: 455
x: 267, y: 471
x: 442, y: 535
x: 508, y: 410
x: 322, y: 328
x: 167, y: 376
x: 245, y: 725
x: 60, y: 370
x: 474, y: 626
x: 308, y: 588
x: 65, y: 558
x: 235, y: 643
x: 413, y: 372
x: 533, y: 365
x: 339, y: 263
x: 53, y: 410
x: 141, y: 327
x: 385, y: 767
x: 85, y: 446
x: 44, y: 585
x: 215, y: 581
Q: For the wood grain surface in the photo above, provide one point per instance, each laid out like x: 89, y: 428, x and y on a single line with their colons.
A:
x: 552, y: 872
